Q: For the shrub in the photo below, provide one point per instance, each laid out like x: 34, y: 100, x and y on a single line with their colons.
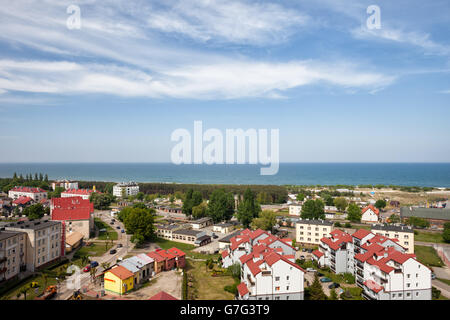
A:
x: 232, y: 289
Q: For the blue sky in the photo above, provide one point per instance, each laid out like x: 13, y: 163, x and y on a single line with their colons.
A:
x: 115, y: 89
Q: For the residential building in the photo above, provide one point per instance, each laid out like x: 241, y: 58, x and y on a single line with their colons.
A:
x: 268, y: 271
x: 201, y: 223
x: 189, y: 236
x: 223, y: 227
x: 125, y: 189
x: 83, y: 193
x: 295, y: 209
x: 12, y: 253
x: 75, y: 213
x: 66, y: 184
x: 36, y: 194
x: 435, y: 216
x: 311, y: 231
x: 404, y: 234
x: 44, y: 242
x: 162, y: 295
x: 225, y: 242
x: 141, y: 267
x: 370, y: 214
x: 381, y: 266
x: 118, y: 280
x: 165, y: 231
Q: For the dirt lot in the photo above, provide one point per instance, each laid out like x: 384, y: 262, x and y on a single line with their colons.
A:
x: 168, y: 281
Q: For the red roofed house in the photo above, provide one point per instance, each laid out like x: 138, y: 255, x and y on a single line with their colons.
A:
x: 22, y: 201
x: 75, y: 213
x: 37, y: 194
x: 370, y: 214
x: 381, y: 266
x: 180, y: 259
x: 162, y: 296
x: 160, y: 262
x: 169, y: 259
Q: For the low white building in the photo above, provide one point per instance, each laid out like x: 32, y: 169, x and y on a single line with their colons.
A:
x: 66, y: 184
x: 83, y: 193
x: 127, y: 189
x: 37, y: 194
x: 295, y: 209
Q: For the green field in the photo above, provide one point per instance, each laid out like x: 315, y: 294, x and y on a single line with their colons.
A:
x: 428, y: 256
x: 94, y: 250
x: 429, y: 237
x: 186, y: 248
x: 110, y: 232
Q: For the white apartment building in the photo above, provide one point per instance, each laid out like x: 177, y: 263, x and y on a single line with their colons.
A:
x: 381, y: 266
x: 268, y: 271
x: 311, y: 231
x: 66, y: 184
x: 295, y: 209
x: 127, y: 189
x: 37, y: 194
x: 404, y: 234
x: 12, y: 253
x: 83, y: 193
x: 43, y: 241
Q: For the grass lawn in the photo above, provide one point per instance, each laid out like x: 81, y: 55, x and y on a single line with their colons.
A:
x: 186, y: 248
x: 429, y: 237
x: 109, y: 230
x: 355, y: 293
x: 428, y: 256
x: 94, y: 250
x: 205, y: 286
x: 446, y: 281
x: 33, y: 292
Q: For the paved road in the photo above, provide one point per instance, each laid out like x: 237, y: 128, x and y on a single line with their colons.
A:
x: 445, y: 289
x: 65, y: 289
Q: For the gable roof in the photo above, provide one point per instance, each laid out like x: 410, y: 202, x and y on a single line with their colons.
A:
x: 361, y: 233
x: 162, y: 295
x: 121, y: 272
x: 242, y: 289
x: 371, y: 207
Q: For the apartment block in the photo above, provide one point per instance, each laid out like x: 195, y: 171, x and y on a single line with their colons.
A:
x: 36, y: 194
x: 311, y: 231
x: 125, y: 189
x: 12, y: 253
x: 404, y: 234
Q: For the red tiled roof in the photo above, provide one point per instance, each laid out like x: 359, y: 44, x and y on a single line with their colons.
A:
x: 155, y: 256
x: 165, y: 254
x: 372, y: 285
x: 177, y: 252
x: 28, y: 189
x: 224, y: 254
x: 242, y: 289
x: 71, y: 202
x: 257, y: 233
x: 371, y: 207
x: 121, y: 272
x: 254, y: 269
x: 162, y: 296
x: 361, y: 233
x: 317, y: 253
x: 59, y: 214
x: 22, y: 200
x: 78, y: 191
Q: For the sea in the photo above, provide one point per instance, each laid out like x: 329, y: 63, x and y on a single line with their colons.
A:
x: 401, y: 174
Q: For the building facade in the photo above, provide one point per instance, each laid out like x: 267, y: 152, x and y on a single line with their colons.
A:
x: 37, y: 194
x: 125, y: 189
x: 311, y: 231
x: 295, y: 209
x: 83, y: 193
x: 75, y: 213
x: 370, y: 214
x: 404, y: 234
x: 12, y: 253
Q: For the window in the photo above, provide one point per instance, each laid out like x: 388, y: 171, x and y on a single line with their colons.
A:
x: 408, y: 275
x: 287, y: 288
x: 287, y: 277
x: 277, y: 288
x: 408, y: 285
x: 408, y: 294
x: 277, y: 278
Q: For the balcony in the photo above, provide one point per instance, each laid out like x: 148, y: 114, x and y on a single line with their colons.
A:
x: 252, y: 283
x: 360, y: 265
x: 360, y: 273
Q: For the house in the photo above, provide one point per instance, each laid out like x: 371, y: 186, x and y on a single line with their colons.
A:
x: 201, y: 223
x: 435, y: 216
x: 223, y: 227
x: 66, y: 184
x: 226, y: 241
x: 142, y: 268
x: 381, y: 266
x: 118, y: 280
x: 404, y: 234
x: 195, y: 237
x: 22, y: 201
x: 311, y: 231
x: 370, y: 214
x: 75, y: 213
x: 44, y: 242
x: 12, y: 253
x: 295, y: 209
x: 36, y: 194
x: 159, y: 262
x: 165, y: 231
x: 180, y: 257
x: 169, y: 259
x: 162, y: 296
x: 125, y: 189
x: 83, y: 193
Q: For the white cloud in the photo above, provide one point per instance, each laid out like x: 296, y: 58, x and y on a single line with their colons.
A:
x: 226, y: 80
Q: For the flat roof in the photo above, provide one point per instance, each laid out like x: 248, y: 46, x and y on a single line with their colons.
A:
x: 31, y: 224
x: 231, y: 235
x: 5, y: 234
x: 167, y: 226
x: 201, y: 220
x: 315, y: 222
x: 225, y: 224
x: 390, y: 227
x: 427, y: 213
x: 188, y: 232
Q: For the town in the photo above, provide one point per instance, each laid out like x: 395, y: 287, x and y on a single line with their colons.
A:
x: 75, y: 240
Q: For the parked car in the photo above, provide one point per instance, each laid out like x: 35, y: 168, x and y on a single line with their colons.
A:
x: 325, y: 279
x: 311, y: 270
x: 320, y: 274
x: 123, y: 231
x: 310, y: 250
x: 112, y: 251
x: 118, y: 227
x: 112, y: 222
x: 302, y: 257
x: 94, y: 264
x: 304, y: 250
x: 87, y: 268
x: 334, y: 285
x: 433, y: 276
x: 119, y: 245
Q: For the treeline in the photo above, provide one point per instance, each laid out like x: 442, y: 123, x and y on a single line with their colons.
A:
x: 38, y: 180
x: 298, y: 188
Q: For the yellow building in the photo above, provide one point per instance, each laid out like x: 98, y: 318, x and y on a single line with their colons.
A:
x: 118, y: 280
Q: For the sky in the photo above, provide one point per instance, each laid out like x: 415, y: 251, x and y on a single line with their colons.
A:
x: 115, y: 89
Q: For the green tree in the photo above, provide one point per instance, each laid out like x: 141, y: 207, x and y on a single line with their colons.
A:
x: 446, y: 233
x: 316, y: 291
x: 192, y: 199
x: 340, y: 203
x: 354, y: 212
x: 313, y: 209
x: 248, y: 209
x: 300, y: 197
x: 200, y: 211
x: 380, y: 204
x: 221, y: 205
x: 266, y: 220
x: 333, y: 295
x: 101, y: 201
x: 393, y: 218
x: 138, y: 222
x: 35, y: 211
x: 140, y: 196
x: 329, y: 201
